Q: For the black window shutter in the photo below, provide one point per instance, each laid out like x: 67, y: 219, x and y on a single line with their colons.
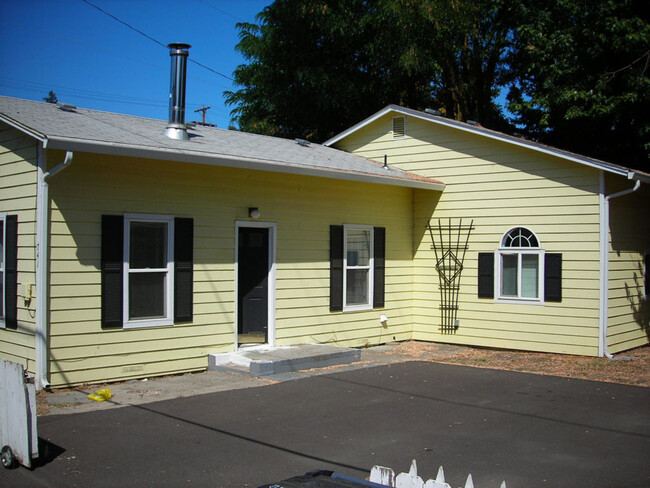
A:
x: 486, y: 275
x: 112, y: 269
x: 11, y: 272
x: 553, y: 277
x: 380, y: 267
x: 336, y: 268
x: 183, y: 269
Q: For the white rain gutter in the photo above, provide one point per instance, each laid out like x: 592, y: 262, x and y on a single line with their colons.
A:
x: 240, y: 162
x: 604, y: 260
x: 42, y: 239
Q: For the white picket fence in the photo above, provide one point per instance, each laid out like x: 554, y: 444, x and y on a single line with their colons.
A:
x: 386, y: 476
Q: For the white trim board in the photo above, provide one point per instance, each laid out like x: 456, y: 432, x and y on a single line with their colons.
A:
x: 273, y: 239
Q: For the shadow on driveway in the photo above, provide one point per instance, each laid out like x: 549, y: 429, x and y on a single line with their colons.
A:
x: 529, y: 430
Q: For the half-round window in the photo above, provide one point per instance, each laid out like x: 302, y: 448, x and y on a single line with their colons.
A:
x: 520, y: 266
x: 519, y: 237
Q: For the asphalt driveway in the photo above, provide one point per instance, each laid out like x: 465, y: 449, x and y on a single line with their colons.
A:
x: 529, y: 430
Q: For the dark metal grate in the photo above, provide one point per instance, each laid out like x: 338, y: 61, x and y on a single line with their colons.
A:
x: 449, y: 241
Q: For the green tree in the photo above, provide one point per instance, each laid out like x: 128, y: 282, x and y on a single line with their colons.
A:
x: 575, y: 71
x: 467, y: 42
x: 579, y: 77
x: 51, y: 97
x: 316, y: 67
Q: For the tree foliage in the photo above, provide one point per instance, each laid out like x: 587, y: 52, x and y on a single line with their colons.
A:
x: 579, y: 75
x: 316, y: 67
x: 575, y: 71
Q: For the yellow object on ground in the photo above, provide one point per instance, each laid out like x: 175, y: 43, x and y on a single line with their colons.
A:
x: 101, y: 395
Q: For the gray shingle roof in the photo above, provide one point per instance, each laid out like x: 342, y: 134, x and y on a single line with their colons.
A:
x: 111, y: 133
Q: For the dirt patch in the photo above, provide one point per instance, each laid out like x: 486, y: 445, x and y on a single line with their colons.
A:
x: 629, y: 372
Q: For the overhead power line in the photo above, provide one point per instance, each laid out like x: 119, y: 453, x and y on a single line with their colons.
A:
x: 151, y: 38
x: 219, y: 10
x: 124, y: 23
x: 210, y: 69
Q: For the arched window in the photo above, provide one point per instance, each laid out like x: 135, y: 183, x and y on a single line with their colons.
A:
x: 520, y: 271
x: 519, y: 237
x: 520, y: 266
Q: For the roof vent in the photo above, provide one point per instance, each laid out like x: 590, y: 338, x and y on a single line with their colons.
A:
x: 66, y: 107
x: 472, y: 122
x: 176, y: 128
x: 432, y: 112
x: 303, y: 142
x: 399, y: 127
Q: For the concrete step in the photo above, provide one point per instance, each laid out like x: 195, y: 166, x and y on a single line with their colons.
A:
x: 265, y: 361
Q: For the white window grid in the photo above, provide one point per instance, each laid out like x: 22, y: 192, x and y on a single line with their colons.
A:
x: 531, y: 246
x: 519, y: 252
x: 370, y: 267
x: 168, y: 318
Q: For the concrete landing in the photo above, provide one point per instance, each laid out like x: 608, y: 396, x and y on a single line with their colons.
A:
x: 265, y: 361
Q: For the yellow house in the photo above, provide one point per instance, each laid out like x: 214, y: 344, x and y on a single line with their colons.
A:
x: 557, y: 244
x: 129, y: 253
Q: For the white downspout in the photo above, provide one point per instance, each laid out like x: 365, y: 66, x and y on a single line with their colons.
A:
x: 42, y: 239
x: 604, y: 260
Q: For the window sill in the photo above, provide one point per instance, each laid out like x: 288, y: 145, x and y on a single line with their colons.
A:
x: 142, y: 324
x: 520, y: 301
x: 357, y: 308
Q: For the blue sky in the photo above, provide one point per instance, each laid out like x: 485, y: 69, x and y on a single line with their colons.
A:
x: 92, y: 61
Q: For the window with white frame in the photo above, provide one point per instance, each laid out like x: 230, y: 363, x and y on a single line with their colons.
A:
x: 148, y: 270
x: 519, y: 262
x: 358, y: 267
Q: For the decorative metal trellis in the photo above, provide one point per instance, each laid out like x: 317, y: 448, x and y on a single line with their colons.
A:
x: 450, y: 253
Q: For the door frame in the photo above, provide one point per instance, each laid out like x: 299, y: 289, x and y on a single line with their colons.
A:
x: 272, y: 228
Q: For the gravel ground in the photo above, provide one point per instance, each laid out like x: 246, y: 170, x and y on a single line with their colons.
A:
x: 631, y: 368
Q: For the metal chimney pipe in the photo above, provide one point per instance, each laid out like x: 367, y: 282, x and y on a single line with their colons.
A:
x: 176, y: 128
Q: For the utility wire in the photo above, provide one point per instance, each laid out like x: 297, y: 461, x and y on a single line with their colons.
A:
x: 124, y: 23
x: 117, y: 54
x: 151, y: 38
x: 219, y: 10
x: 210, y: 69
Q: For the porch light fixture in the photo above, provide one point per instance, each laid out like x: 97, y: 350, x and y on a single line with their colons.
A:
x: 254, y: 212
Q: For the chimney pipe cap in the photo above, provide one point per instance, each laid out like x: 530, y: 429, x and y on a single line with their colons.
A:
x: 179, y: 46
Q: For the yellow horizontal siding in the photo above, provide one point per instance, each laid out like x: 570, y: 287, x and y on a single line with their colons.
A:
x: 555, y: 345
x: 75, y: 373
x: 303, y: 208
x: 628, y: 311
x: 498, y: 186
x: 18, y: 172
